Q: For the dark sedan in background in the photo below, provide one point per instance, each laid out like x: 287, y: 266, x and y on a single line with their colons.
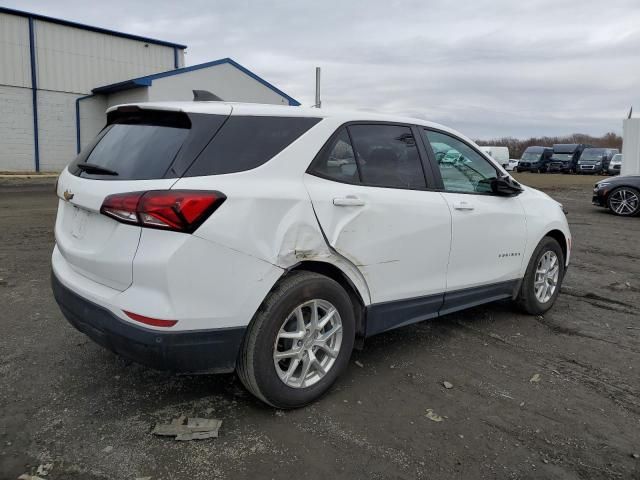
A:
x: 621, y: 195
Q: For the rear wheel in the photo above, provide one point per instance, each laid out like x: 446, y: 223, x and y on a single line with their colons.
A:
x: 624, y: 201
x: 299, y: 341
x: 543, y: 278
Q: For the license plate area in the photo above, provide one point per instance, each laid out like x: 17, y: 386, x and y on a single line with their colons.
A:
x: 80, y: 218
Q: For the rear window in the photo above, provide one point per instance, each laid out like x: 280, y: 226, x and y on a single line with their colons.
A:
x: 144, y: 144
x: 244, y: 143
x: 138, y: 151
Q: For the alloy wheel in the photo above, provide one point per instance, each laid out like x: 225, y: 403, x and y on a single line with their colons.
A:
x: 624, y: 201
x: 308, y: 343
x: 547, y: 274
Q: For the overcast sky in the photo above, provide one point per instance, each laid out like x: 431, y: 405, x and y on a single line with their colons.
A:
x: 486, y: 68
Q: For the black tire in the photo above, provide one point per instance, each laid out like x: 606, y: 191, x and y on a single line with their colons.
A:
x: 256, y: 367
x: 527, y: 300
x: 630, y: 191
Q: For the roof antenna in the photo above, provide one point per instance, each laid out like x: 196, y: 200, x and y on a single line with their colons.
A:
x: 205, y: 96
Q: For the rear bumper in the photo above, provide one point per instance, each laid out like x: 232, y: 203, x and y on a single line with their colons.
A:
x: 195, y: 351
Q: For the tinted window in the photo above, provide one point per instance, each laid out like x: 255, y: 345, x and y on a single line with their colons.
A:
x: 462, y: 168
x: 244, y: 143
x: 337, y: 161
x: 387, y: 156
x: 138, y: 151
x: 139, y: 146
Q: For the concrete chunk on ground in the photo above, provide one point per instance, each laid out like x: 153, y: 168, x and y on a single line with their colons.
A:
x: 189, y: 428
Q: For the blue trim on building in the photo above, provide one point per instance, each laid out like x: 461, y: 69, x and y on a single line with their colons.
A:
x: 67, y: 23
x: 148, y: 80
x: 78, y: 143
x: 34, y: 95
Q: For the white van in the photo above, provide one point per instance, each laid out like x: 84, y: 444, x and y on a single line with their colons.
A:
x: 499, y: 154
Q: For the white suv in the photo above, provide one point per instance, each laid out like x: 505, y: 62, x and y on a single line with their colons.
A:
x: 209, y: 236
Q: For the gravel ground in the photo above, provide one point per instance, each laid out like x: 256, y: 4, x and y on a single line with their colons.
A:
x: 67, y: 402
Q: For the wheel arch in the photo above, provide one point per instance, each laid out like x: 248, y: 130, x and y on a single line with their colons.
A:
x: 335, y: 273
x: 561, y: 238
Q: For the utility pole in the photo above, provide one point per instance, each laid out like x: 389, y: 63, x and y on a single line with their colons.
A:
x: 318, y: 102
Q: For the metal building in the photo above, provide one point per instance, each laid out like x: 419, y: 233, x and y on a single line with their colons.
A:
x: 58, y: 77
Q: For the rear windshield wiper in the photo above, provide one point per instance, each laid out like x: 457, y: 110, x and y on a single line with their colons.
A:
x: 97, y: 169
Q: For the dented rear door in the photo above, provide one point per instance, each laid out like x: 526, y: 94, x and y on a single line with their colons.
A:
x: 398, y: 237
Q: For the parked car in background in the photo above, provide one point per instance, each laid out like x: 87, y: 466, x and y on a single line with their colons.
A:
x: 565, y: 157
x: 620, y: 194
x: 210, y: 237
x: 512, y: 165
x: 615, y: 164
x: 535, y: 159
x: 499, y: 154
x: 595, y: 160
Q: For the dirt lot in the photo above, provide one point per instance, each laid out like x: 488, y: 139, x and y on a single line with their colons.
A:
x: 66, y: 401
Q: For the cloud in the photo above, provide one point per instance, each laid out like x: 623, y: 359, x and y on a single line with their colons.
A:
x: 487, y: 68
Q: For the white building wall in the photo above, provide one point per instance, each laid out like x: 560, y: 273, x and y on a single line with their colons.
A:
x: 56, y: 129
x: 15, y: 64
x: 92, y: 117
x: 135, y: 95
x: 223, y: 80
x: 93, y: 110
x: 180, y: 58
x: 74, y: 60
x: 16, y: 129
x: 630, y: 147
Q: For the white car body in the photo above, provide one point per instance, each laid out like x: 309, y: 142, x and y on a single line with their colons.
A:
x: 395, y: 246
x: 512, y: 165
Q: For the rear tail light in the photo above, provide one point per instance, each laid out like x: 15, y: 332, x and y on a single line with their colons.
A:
x: 177, y: 210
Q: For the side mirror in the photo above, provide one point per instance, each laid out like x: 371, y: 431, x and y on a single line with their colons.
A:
x: 506, y: 186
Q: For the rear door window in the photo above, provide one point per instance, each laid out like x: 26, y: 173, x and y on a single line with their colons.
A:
x: 245, y: 142
x: 337, y: 161
x: 387, y: 156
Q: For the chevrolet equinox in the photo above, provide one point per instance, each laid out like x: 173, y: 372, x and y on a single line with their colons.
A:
x: 204, y: 237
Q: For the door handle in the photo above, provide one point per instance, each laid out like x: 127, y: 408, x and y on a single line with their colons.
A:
x: 463, y: 206
x: 348, y: 201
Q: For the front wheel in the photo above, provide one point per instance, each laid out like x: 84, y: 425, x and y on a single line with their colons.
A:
x: 543, y: 278
x: 299, y: 341
x: 624, y: 201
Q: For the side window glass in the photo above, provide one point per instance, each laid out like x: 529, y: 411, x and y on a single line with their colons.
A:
x: 339, y: 163
x: 462, y: 168
x: 387, y: 156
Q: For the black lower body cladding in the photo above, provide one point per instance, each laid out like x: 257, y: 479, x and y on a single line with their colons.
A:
x: 200, y: 351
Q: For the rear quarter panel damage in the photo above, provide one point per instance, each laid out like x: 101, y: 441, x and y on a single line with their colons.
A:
x: 269, y: 219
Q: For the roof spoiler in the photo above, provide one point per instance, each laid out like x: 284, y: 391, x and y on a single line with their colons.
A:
x: 205, y: 96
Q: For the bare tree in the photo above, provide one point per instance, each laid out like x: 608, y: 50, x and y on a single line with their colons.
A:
x: 517, y: 146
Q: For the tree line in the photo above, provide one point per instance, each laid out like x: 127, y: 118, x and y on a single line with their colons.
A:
x: 517, y: 146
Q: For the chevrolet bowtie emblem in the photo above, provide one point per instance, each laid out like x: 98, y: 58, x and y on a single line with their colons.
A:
x: 67, y: 195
